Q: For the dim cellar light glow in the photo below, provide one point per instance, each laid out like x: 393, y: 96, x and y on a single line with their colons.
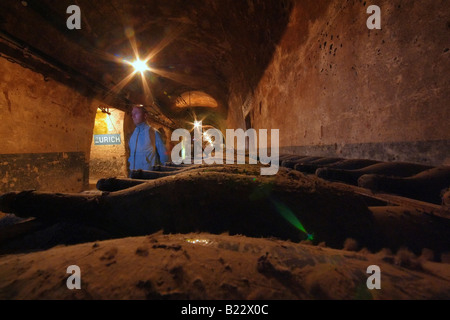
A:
x: 197, y: 124
x: 183, y: 150
x: 208, y: 138
x: 198, y: 241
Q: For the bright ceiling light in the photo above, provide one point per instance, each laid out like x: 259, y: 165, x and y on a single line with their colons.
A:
x: 140, y: 66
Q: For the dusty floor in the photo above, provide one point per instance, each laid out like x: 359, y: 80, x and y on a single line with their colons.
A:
x: 206, y: 266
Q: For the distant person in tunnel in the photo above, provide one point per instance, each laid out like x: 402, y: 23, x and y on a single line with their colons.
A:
x: 146, y: 146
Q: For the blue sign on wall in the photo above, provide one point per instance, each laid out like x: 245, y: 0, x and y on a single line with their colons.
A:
x: 107, y: 139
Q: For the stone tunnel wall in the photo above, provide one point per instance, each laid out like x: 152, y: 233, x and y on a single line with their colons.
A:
x: 45, y: 130
x: 336, y: 88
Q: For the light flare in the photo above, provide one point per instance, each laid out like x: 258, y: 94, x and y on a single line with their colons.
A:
x: 291, y: 218
x: 139, y: 65
x: 197, y: 124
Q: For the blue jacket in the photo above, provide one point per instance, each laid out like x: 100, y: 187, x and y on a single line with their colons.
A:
x: 142, y: 155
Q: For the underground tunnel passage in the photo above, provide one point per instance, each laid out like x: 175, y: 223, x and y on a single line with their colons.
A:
x: 225, y: 150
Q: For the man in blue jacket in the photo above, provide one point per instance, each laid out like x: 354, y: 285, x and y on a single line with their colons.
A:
x: 143, y: 143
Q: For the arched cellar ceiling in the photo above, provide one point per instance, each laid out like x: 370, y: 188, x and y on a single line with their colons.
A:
x: 195, y: 99
x: 194, y: 45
